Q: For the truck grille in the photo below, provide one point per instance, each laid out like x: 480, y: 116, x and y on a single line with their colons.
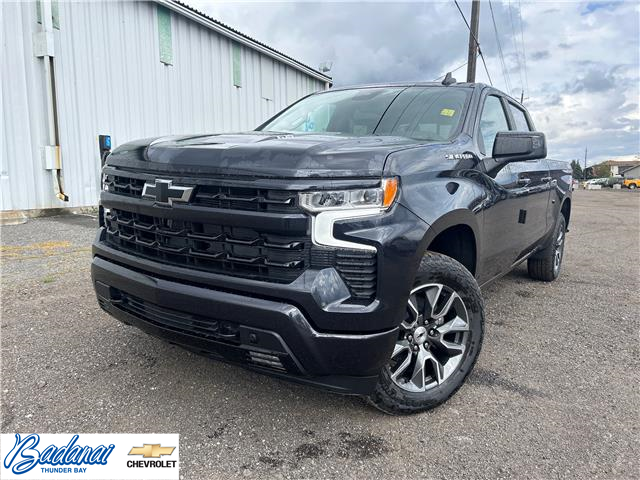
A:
x: 246, y: 251
x: 235, y: 251
x: 215, y: 196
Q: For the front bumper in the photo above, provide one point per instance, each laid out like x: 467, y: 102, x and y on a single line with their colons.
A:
x: 285, y: 330
x: 266, y: 335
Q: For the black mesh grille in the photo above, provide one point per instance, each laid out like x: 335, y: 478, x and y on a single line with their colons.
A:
x: 225, y: 336
x: 244, y: 252
x: 237, y: 251
x: 246, y: 199
x: 358, y: 269
x: 179, y: 321
x: 216, y: 196
x: 123, y: 185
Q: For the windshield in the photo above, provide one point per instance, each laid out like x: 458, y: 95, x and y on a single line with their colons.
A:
x: 424, y: 113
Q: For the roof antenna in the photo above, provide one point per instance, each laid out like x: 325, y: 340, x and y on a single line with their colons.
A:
x: 448, y: 79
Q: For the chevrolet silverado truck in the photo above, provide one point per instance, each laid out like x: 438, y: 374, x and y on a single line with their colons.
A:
x: 341, y: 244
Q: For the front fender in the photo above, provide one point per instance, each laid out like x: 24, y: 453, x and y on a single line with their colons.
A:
x: 451, y: 219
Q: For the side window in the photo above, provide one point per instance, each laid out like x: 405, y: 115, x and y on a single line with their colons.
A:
x: 520, y: 118
x: 492, y: 121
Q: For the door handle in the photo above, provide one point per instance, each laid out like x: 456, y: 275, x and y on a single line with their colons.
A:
x: 546, y: 179
x: 524, y: 181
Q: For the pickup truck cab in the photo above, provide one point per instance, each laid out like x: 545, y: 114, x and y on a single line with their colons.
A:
x: 341, y: 244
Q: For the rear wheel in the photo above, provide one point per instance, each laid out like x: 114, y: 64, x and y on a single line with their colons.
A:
x: 439, y: 339
x: 546, y: 265
x: 632, y: 186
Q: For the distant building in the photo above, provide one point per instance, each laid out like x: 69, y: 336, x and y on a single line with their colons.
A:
x: 631, y: 172
x: 75, y: 70
x: 619, y: 164
x: 614, y: 167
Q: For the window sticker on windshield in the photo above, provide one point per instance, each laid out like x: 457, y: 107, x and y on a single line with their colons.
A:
x: 447, y: 112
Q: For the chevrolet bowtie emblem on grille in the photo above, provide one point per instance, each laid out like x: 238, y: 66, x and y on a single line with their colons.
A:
x: 152, y: 451
x: 164, y: 192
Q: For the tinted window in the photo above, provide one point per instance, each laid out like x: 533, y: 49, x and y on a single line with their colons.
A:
x: 423, y: 113
x: 520, y: 118
x: 492, y: 121
x: 351, y: 112
x: 433, y: 114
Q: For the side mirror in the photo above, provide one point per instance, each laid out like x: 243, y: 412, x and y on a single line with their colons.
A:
x: 519, y: 146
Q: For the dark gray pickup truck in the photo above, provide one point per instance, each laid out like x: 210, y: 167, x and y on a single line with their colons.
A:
x: 341, y: 244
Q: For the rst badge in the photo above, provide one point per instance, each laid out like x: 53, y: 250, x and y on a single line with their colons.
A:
x: 165, y: 192
x: 458, y: 156
x: 90, y: 456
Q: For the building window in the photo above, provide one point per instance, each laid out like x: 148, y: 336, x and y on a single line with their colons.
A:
x: 266, y: 76
x: 55, y: 13
x: 164, y: 35
x: 236, y: 57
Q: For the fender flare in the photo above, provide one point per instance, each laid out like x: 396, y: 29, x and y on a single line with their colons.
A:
x: 566, y: 200
x: 461, y: 216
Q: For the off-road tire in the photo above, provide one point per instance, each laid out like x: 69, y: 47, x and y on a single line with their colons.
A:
x: 440, y: 269
x: 543, y: 265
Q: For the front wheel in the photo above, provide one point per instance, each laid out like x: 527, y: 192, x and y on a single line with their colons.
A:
x: 438, y: 342
x: 632, y: 186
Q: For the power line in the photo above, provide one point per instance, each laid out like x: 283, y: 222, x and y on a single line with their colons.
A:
x: 467, y: 23
x: 515, y: 44
x: 454, y: 70
x: 476, y: 40
x: 505, y: 72
x: 524, y: 53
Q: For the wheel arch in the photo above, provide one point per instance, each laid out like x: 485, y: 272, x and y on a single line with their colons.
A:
x: 565, y: 210
x: 456, y: 235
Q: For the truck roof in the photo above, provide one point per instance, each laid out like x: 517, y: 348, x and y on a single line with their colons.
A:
x: 412, y: 84
x: 468, y: 85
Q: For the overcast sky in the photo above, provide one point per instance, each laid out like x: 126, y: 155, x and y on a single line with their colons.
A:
x: 582, y: 58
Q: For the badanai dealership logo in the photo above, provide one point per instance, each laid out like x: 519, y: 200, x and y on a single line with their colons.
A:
x: 27, y: 454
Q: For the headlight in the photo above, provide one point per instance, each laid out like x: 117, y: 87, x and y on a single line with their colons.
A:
x: 331, y: 206
x: 379, y: 198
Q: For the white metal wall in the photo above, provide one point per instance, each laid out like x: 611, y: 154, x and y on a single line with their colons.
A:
x: 24, y: 183
x: 109, y: 80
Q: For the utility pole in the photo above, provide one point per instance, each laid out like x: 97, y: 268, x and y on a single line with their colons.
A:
x: 473, y: 41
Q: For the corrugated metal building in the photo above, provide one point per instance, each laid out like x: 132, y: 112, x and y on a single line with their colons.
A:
x: 129, y: 70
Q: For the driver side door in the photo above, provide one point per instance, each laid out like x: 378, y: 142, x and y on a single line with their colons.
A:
x: 505, y: 228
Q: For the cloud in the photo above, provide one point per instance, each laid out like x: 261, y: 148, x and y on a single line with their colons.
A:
x: 581, y: 58
x: 540, y: 55
x: 593, y: 81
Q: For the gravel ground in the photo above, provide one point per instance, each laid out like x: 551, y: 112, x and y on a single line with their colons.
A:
x: 554, y: 393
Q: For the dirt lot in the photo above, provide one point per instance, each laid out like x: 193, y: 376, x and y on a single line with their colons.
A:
x: 554, y: 394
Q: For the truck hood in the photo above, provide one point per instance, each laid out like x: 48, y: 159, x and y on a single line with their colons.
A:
x: 262, y: 154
